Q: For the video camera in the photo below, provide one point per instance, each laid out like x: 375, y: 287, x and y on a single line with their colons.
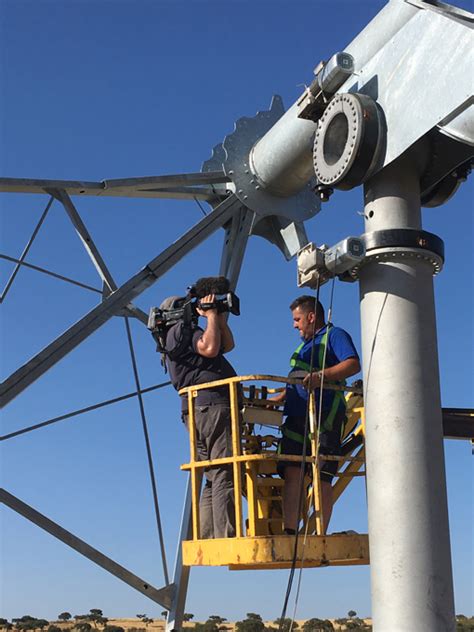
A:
x: 225, y: 301
x: 185, y: 308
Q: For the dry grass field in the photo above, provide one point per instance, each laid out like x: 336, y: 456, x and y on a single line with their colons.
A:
x: 158, y: 625
x: 134, y: 624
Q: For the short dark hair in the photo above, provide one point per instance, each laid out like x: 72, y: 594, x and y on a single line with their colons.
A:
x: 308, y: 303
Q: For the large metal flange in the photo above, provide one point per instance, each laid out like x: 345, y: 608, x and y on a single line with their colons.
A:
x: 399, y: 245
x: 349, y: 141
x: 233, y: 157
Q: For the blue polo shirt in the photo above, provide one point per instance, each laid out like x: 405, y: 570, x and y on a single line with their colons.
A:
x: 340, y: 348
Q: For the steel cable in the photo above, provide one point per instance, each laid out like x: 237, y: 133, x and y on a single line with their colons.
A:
x: 80, y: 411
x: 55, y: 275
x: 301, y: 478
x: 303, y: 464
x: 323, y: 369
x: 26, y: 249
x: 148, y: 450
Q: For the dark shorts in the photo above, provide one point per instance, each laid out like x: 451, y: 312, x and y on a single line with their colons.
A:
x: 329, y: 443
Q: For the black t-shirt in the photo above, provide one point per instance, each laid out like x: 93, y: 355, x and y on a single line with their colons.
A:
x: 189, y: 368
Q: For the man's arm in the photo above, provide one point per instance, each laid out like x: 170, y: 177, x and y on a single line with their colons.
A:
x: 209, y: 344
x: 344, y: 350
x: 278, y: 399
x: 227, y: 339
x: 335, y: 373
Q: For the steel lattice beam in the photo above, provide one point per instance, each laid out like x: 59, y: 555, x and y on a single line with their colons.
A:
x: 178, y: 186
x: 117, y: 301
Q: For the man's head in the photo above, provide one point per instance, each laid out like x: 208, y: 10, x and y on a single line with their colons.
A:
x: 308, y: 315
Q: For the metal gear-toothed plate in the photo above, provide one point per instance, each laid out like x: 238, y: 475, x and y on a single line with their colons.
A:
x: 233, y: 157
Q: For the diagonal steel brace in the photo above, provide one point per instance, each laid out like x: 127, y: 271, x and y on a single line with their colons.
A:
x: 162, y: 596
x: 116, y: 301
x: 91, y: 248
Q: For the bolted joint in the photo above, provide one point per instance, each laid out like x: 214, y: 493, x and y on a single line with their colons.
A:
x: 400, y: 244
x: 349, y: 141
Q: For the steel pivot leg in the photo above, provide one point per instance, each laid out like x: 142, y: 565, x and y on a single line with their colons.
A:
x: 410, y: 556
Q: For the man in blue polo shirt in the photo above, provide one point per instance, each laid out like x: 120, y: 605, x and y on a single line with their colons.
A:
x: 334, y: 352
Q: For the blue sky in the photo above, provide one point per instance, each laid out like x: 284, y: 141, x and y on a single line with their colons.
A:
x: 94, y: 90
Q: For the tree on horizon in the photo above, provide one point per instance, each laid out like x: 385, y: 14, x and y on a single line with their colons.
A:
x: 253, y: 623
x: 215, y: 618
x: 284, y: 625
x: 317, y: 625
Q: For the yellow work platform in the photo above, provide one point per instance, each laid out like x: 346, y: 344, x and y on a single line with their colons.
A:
x: 260, y: 542
x: 270, y: 552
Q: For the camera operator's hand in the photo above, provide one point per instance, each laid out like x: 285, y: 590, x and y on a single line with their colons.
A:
x: 210, y: 298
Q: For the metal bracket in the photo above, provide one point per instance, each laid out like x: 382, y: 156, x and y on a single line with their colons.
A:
x: 397, y: 244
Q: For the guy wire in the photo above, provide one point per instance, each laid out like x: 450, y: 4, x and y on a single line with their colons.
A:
x: 200, y: 206
x: 80, y: 411
x: 148, y: 450
x: 301, y: 478
x: 323, y: 368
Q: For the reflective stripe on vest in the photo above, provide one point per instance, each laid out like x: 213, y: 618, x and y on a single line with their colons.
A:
x: 296, y: 362
x: 294, y: 436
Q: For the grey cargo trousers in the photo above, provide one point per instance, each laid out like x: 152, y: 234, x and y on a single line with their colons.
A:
x: 214, y: 441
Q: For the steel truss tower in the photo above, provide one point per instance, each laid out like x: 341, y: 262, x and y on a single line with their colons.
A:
x: 262, y: 180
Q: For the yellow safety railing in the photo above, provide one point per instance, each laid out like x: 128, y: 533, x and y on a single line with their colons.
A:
x: 254, y: 474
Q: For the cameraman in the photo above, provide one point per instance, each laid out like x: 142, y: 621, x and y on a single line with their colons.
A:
x: 195, y: 356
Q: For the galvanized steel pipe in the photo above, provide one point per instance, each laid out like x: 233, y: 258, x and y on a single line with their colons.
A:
x: 282, y: 160
x: 409, y: 544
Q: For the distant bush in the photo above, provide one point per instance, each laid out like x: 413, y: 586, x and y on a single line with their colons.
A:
x: 82, y: 626
x: 253, y: 623
x: 317, y: 625
x: 27, y: 622
x: 209, y: 626
x: 464, y: 624
x: 284, y: 625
